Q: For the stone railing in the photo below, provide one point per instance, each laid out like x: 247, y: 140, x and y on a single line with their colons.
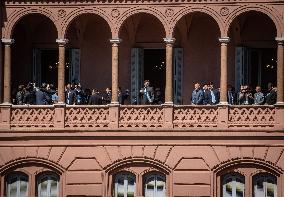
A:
x: 130, y: 117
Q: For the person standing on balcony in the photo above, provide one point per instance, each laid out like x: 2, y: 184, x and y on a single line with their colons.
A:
x: 258, y: 96
x: 197, y: 95
x: 42, y: 97
x: 271, y: 96
x: 20, y: 95
x: 147, y: 93
x: 214, y: 94
x: 107, y: 96
x: 207, y: 96
x: 231, y: 95
x: 95, y: 98
x: 70, y: 95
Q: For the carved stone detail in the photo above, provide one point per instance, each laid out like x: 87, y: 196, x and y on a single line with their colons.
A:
x: 224, y: 11
x: 115, y: 13
x: 61, y: 13
x: 169, y: 12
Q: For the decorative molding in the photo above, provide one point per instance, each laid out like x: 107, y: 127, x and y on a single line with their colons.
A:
x: 8, y: 41
x: 62, y: 41
x: 169, y: 40
x: 115, y: 40
x: 279, y: 39
x: 169, y: 12
x: 224, y: 39
x: 61, y: 13
x: 224, y: 11
x: 115, y: 13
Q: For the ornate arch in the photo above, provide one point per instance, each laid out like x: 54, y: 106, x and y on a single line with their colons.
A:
x: 29, y: 161
x: 74, y: 14
x: 250, y: 161
x: 136, y: 10
x: 270, y: 12
x: 17, y: 15
x: 187, y: 10
x: 145, y: 161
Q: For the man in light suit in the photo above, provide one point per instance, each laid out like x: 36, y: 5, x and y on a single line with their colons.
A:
x: 147, y: 93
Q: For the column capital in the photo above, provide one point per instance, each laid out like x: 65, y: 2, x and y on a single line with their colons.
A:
x: 279, y: 39
x: 7, y: 41
x: 115, y: 40
x: 62, y: 41
x: 225, y: 40
x: 169, y: 40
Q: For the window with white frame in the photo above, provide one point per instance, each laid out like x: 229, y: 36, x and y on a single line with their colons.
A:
x: 155, y: 185
x: 233, y: 185
x: 124, y: 185
x: 17, y: 185
x: 264, y: 185
x: 48, y: 185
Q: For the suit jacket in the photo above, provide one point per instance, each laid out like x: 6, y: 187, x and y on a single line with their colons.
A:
x: 95, y: 99
x: 42, y: 98
x: 70, y: 97
x: 197, y: 97
x: 147, y: 94
x: 271, y: 97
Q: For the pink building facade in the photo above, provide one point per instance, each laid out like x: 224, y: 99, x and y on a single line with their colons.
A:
x: 174, y: 149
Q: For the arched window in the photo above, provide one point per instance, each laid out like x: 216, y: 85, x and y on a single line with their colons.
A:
x: 264, y: 185
x: 155, y: 185
x: 48, y: 185
x: 233, y: 185
x: 124, y: 185
x: 17, y: 185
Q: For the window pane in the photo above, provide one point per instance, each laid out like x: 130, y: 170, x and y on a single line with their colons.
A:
x: 53, y: 188
x: 270, y: 189
x: 155, y: 185
x: 233, y: 186
x: 265, y: 185
x: 43, y: 188
x: 229, y: 190
x: 17, y: 185
x: 13, y: 188
x: 23, y: 188
x: 240, y: 188
x: 124, y: 185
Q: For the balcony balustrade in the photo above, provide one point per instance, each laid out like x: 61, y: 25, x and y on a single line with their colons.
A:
x: 131, y: 117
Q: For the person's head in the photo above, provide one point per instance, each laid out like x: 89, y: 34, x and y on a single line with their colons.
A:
x: 197, y: 86
x: 20, y: 88
x: 205, y: 87
x: 68, y: 86
x: 270, y: 86
x: 108, y: 90
x: 146, y: 83
x: 211, y: 86
x: 258, y: 89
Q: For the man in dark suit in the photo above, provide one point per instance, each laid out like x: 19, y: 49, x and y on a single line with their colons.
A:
x: 147, y: 93
x: 197, y: 95
x: 214, y: 94
x: 70, y: 95
x: 95, y: 98
x: 271, y: 96
x: 42, y: 97
x: 107, y: 96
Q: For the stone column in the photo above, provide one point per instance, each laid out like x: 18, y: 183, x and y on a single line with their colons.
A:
x: 169, y: 70
x: 7, y: 69
x: 280, y: 70
x: 61, y: 69
x: 224, y: 67
x: 114, y: 70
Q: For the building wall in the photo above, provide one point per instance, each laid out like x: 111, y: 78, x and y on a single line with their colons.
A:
x: 196, y: 33
x: 192, y: 166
